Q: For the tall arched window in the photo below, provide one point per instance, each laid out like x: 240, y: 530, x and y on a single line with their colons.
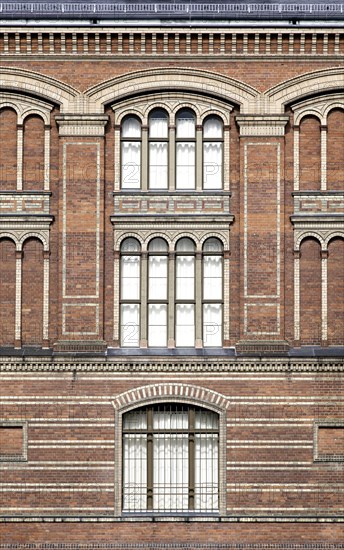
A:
x: 185, y: 293
x: 157, y: 292
x: 131, y: 153
x: 213, y: 153
x: 212, y: 292
x: 185, y: 149
x: 130, y: 293
x: 170, y: 459
x: 158, y: 149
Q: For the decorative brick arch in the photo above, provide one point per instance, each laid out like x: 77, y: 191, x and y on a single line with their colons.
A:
x: 45, y: 87
x: 310, y: 235
x: 174, y: 79
x: 313, y: 83
x: 31, y: 235
x: 177, y: 392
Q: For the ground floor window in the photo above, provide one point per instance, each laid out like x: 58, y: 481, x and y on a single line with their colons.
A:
x: 170, y: 459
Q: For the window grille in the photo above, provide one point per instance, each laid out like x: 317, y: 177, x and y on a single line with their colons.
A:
x: 170, y: 459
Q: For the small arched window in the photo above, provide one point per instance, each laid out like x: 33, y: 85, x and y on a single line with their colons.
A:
x: 185, y: 149
x: 185, y: 293
x: 171, y: 459
x: 212, y: 292
x: 131, y: 153
x: 213, y: 153
x: 157, y: 292
x: 130, y: 292
x: 158, y: 149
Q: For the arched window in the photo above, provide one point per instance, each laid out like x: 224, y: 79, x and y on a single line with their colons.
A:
x: 131, y: 153
x: 185, y: 149
x: 185, y: 293
x: 212, y: 292
x: 170, y: 459
x: 213, y: 153
x: 158, y: 149
x: 130, y: 292
x: 157, y: 292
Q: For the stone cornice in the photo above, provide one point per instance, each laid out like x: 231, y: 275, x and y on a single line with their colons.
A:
x: 81, y: 125
x: 190, y: 365
x: 262, y: 125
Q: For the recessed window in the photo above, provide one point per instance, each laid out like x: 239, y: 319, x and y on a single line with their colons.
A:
x: 185, y: 293
x: 130, y: 292
x: 157, y: 292
x: 212, y: 292
x: 185, y: 150
x: 213, y: 153
x: 13, y: 441
x: 158, y: 149
x: 170, y: 459
x: 131, y: 153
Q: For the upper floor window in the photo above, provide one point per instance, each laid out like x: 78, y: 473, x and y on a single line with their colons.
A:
x: 131, y: 153
x: 158, y: 150
x: 172, y: 154
x: 170, y: 459
x: 163, y: 293
x: 212, y: 153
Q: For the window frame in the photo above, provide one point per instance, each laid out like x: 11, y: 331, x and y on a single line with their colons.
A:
x: 152, y: 301
x: 123, y: 301
x: 192, y: 140
x: 178, y: 301
x: 213, y: 140
x: 151, y: 140
x: 205, y: 301
x: 222, y: 452
x: 130, y: 140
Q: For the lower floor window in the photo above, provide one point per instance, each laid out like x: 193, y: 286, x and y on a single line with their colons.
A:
x: 170, y: 459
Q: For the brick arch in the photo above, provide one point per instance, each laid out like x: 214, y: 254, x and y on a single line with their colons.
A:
x: 335, y: 235
x: 42, y: 86
x: 186, y: 393
x: 215, y: 235
x: 315, y: 82
x: 32, y: 235
x: 310, y: 235
x: 169, y: 78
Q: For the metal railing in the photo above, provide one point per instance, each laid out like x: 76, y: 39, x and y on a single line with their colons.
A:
x: 32, y: 10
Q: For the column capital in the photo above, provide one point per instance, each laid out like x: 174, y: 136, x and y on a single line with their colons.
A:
x: 262, y: 125
x: 81, y: 125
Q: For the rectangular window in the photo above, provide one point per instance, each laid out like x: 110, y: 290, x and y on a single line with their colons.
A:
x: 185, y: 325
x: 158, y: 165
x: 185, y: 173
x: 130, y: 325
x: 212, y: 165
x: 329, y: 442
x: 157, y: 323
x: 131, y: 165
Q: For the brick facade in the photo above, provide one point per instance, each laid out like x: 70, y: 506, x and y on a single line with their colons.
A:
x: 67, y: 378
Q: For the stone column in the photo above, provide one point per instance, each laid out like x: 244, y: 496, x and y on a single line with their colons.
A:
x: 81, y: 232
x: 262, y: 227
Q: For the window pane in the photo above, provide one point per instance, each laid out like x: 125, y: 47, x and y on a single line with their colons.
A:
x: 130, y: 325
x: 185, y: 325
x: 212, y: 245
x: 135, y: 420
x: 185, y: 173
x: 213, y: 128
x: 158, y: 124
x: 212, y: 325
x: 157, y: 283
x: 206, y: 472
x: 130, y: 245
x: 212, y: 165
x: 131, y: 164
x: 171, y: 417
x: 185, y: 277
x: 131, y: 128
x: 158, y: 245
x: 186, y: 124
x: 212, y: 278
x: 171, y: 472
x: 157, y: 325
x: 135, y: 472
x: 158, y: 165
x: 130, y: 278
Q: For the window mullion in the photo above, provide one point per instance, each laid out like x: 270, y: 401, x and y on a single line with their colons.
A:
x: 191, y: 450
x: 199, y: 158
x: 144, y: 159
x: 172, y: 158
x: 150, y: 473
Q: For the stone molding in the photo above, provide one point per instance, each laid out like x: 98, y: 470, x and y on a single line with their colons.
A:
x: 81, y: 125
x: 94, y: 99
x: 190, y: 365
x: 262, y: 125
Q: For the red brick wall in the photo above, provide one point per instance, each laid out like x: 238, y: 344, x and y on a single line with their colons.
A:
x: 32, y: 292
x: 8, y: 149
x: 310, y: 290
x: 335, y: 285
x: 33, y: 157
x: 7, y: 291
x: 335, y: 150
x: 310, y: 154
